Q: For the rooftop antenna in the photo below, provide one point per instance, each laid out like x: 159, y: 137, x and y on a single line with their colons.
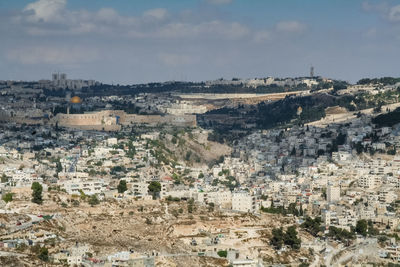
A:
x: 312, y: 71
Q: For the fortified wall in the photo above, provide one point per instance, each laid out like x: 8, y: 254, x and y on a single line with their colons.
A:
x: 112, y: 120
x: 20, y: 120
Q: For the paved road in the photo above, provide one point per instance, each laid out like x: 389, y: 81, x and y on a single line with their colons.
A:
x: 25, y: 225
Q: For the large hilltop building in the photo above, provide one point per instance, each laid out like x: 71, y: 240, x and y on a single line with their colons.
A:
x: 59, y: 80
x: 308, y: 81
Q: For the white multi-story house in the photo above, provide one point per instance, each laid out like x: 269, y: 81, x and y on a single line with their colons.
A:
x: 139, y: 189
x: 386, y: 195
x: 222, y: 198
x: 243, y: 201
x: 87, y: 186
x: 333, y: 193
x: 369, y: 181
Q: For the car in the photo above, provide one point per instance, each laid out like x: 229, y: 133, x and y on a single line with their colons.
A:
x: 40, y: 216
x: 18, y: 223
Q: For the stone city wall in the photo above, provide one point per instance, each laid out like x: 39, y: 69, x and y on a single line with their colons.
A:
x: 78, y: 119
x: 4, y: 118
x: 182, y: 120
x: 119, y: 117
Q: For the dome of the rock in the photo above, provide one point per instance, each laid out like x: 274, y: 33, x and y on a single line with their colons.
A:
x: 76, y: 100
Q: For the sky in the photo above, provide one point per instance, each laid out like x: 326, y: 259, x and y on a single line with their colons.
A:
x: 139, y: 41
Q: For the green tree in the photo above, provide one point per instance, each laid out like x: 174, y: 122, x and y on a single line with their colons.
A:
x: 313, y: 226
x: 277, y: 238
x: 222, y: 253
x: 43, y: 254
x: 187, y: 156
x: 93, y: 200
x: 174, y: 140
x: 301, y: 211
x: 361, y: 227
x: 391, y: 151
x: 359, y: 147
x: 154, y: 188
x: 190, y: 205
x: 59, y: 166
x: 131, y: 150
x: 211, y: 207
x: 340, y: 234
x: 378, y: 109
x: 290, y: 238
x: 292, y: 209
x: 8, y: 197
x: 122, y: 186
x: 37, y: 189
x: 4, y: 178
x: 371, y: 230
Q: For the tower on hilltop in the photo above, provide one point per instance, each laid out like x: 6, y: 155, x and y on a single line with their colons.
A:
x: 312, y: 72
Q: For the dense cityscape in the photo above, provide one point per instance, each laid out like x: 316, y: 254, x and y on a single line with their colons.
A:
x: 199, y: 133
x: 135, y: 180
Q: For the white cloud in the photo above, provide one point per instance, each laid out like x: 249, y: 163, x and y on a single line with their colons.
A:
x: 394, y: 14
x: 52, y: 55
x: 157, y: 13
x: 389, y: 13
x: 219, y: 2
x: 107, y: 15
x: 180, y: 30
x: 229, y: 30
x: 376, y: 7
x: 51, y: 17
x: 45, y: 10
x: 262, y: 36
x: 290, y: 26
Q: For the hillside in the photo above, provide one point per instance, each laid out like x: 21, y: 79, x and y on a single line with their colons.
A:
x: 189, y: 146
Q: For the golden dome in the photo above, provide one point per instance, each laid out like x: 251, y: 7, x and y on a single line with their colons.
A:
x: 76, y: 100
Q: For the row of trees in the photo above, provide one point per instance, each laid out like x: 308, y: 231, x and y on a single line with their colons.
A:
x: 37, y: 189
x: 292, y: 209
x: 383, y: 80
x: 288, y: 237
x: 363, y: 227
